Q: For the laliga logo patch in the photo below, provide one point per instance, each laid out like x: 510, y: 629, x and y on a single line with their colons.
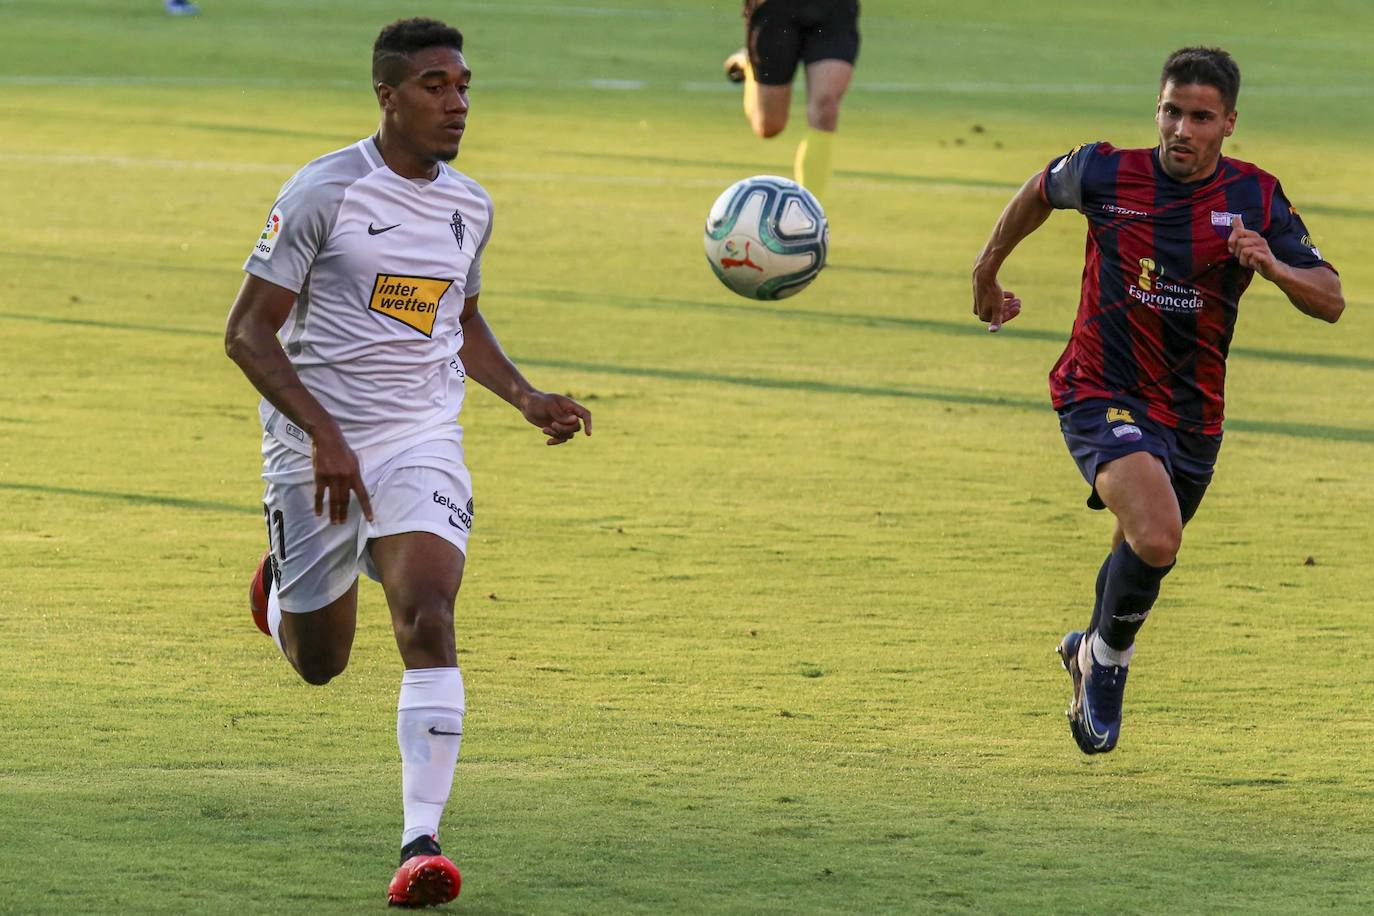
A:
x: 1128, y: 432
x: 1065, y: 161
x: 268, y: 240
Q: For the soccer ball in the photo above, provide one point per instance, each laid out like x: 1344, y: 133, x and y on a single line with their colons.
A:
x: 766, y: 237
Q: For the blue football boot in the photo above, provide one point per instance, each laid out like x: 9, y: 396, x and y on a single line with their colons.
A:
x: 1095, y: 710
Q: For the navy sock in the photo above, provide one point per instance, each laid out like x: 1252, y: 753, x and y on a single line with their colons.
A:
x: 1130, y: 591
x: 1100, y: 589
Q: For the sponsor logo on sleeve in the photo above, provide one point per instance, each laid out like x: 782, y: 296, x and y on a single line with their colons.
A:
x: 413, y: 301
x: 268, y: 240
x: 1311, y: 245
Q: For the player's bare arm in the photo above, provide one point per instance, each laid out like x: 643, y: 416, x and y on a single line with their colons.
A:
x: 250, y: 340
x: 1314, y: 291
x: 1026, y: 212
x: 556, y: 416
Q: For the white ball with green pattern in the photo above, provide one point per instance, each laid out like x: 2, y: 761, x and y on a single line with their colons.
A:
x: 766, y: 237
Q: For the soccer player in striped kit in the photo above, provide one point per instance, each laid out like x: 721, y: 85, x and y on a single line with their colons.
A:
x: 358, y: 322
x: 1175, y: 235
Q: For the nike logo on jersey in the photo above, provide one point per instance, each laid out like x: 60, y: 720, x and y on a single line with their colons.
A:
x: 435, y: 731
x: 373, y: 230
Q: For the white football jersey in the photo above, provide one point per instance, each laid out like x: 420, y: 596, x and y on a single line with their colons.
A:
x: 381, y: 265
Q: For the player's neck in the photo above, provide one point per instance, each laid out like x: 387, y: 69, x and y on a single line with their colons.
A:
x: 403, y: 160
x: 1205, y: 170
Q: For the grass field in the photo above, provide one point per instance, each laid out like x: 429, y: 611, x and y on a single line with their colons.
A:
x: 778, y: 637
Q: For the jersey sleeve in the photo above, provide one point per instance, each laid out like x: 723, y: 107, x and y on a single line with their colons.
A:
x: 301, y: 219
x: 1288, y: 238
x: 472, y: 285
x: 1061, y: 184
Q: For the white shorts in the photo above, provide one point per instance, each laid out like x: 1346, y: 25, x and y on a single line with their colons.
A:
x: 424, y: 488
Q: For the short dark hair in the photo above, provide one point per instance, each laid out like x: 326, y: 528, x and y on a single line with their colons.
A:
x: 395, y: 43
x: 1204, y: 66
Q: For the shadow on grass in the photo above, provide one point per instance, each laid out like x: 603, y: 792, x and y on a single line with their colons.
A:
x: 146, y: 499
x: 945, y: 396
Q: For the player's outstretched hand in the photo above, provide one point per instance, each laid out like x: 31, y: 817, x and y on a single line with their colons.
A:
x: 994, y: 305
x: 337, y: 471
x: 557, y: 417
x: 1252, y: 250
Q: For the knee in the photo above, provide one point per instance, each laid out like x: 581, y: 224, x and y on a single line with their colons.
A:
x: 319, y: 668
x: 823, y: 112
x: 426, y: 627
x: 768, y: 124
x: 767, y: 130
x: 1159, y: 547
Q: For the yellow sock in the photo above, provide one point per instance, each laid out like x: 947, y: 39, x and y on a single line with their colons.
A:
x: 751, y: 92
x: 812, y: 167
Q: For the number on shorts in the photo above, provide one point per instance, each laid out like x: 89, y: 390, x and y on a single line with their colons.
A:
x: 279, y: 520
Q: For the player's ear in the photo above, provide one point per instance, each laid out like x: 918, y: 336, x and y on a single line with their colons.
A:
x: 1230, y: 123
x: 385, y: 96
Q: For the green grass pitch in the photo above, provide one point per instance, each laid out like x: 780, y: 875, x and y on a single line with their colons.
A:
x: 778, y: 637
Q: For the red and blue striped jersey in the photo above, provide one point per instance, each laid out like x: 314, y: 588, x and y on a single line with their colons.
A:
x: 1160, y: 289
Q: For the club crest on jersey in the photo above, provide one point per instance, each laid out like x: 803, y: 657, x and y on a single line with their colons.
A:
x: 1221, y: 222
x: 456, y: 224
x: 413, y: 301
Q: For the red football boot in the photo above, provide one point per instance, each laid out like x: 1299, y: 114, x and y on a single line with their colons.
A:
x: 426, y: 877
x: 258, y: 589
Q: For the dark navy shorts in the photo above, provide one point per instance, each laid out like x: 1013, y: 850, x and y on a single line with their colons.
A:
x: 781, y: 33
x: 1101, y: 431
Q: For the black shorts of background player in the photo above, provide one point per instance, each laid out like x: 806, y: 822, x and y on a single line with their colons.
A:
x: 780, y: 34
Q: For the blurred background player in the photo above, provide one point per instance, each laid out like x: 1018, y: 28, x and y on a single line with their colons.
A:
x: 180, y: 8
x: 823, y: 34
x: 358, y: 323
x: 1175, y: 235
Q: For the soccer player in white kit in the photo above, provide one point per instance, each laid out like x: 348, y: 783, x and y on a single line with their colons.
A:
x: 358, y: 323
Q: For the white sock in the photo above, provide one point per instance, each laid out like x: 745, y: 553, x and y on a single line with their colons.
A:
x: 429, y: 730
x: 1104, y: 654
x: 274, y: 615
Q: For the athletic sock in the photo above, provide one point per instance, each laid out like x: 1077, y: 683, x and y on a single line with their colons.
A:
x: 429, y: 730
x: 1104, y: 654
x: 812, y: 167
x: 1098, y: 591
x: 1131, y: 589
x: 274, y: 615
